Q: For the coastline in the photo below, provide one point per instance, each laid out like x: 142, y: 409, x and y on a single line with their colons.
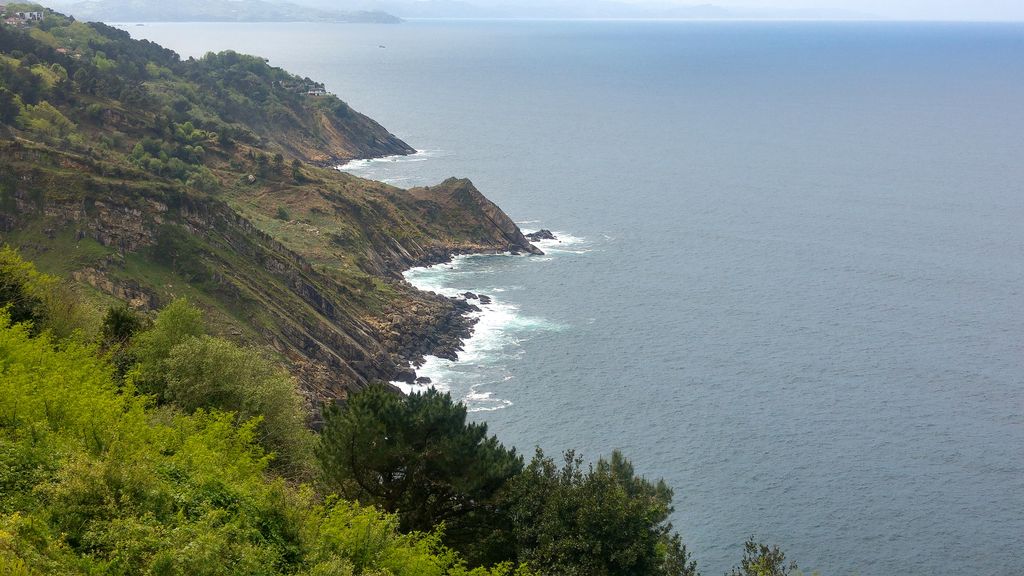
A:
x: 492, y: 327
x: 441, y: 333
x: 477, y: 314
x: 437, y: 325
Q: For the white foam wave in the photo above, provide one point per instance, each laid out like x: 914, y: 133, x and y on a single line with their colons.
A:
x: 368, y: 165
x: 497, y: 334
x: 561, y: 238
x: 565, y: 243
x: 484, y: 401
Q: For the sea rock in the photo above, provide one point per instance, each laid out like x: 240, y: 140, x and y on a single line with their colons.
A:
x: 405, y: 374
x: 542, y: 234
x: 485, y: 299
x: 469, y: 296
x: 423, y: 380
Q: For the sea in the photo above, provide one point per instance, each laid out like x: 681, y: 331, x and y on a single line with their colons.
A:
x: 789, y: 268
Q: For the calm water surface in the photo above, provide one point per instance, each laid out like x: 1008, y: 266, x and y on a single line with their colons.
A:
x: 792, y: 265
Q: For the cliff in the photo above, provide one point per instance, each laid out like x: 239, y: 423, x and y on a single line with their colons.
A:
x: 144, y: 178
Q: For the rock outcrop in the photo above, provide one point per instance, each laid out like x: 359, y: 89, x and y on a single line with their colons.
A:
x: 542, y: 234
x: 267, y: 291
x: 456, y: 195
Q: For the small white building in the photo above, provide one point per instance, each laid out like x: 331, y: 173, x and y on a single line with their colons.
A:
x: 29, y: 16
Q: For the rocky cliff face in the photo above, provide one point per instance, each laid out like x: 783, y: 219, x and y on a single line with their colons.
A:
x: 486, y: 222
x: 260, y: 288
x: 329, y: 141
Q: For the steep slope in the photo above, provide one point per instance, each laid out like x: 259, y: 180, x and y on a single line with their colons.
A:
x: 146, y: 178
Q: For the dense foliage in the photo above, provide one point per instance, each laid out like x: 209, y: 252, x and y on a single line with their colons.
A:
x: 182, y: 366
x: 96, y: 478
x: 600, y: 521
x: 419, y: 457
x: 90, y: 89
x: 133, y: 444
x: 43, y: 301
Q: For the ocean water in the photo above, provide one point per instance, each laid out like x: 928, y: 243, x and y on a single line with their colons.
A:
x: 791, y: 272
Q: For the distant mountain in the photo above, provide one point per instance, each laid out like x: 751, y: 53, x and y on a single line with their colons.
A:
x: 216, y: 11
x: 530, y: 8
x: 652, y: 9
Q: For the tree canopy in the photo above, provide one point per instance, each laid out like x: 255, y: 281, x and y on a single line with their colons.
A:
x: 418, y: 456
x: 97, y: 479
x: 600, y: 521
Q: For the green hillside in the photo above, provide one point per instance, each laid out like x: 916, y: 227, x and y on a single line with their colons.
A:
x: 145, y: 178
x: 185, y: 286
x: 130, y: 446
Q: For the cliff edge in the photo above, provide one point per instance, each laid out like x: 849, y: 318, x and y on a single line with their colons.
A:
x: 144, y: 178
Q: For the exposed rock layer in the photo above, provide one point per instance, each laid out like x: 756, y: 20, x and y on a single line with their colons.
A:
x: 272, y: 293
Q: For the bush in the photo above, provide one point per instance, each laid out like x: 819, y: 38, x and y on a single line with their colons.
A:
x: 120, y: 324
x: 180, y: 365
x: 43, y: 301
x: 174, y: 324
x: 10, y: 106
x: 207, y: 372
x: 93, y: 480
x: 21, y: 288
x: 762, y: 560
x: 601, y: 522
x: 418, y: 456
x: 46, y: 121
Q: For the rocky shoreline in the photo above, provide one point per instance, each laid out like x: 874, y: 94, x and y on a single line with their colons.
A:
x: 442, y: 331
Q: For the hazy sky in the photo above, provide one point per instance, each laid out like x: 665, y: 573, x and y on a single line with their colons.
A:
x: 896, y: 9
x: 917, y: 9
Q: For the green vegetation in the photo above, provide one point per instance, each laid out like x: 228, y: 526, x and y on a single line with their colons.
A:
x: 602, y: 521
x: 152, y: 447
x: 44, y: 302
x: 196, y: 372
x: 134, y: 442
x: 97, y: 478
x: 96, y: 481
x: 763, y: 560
x: 418, y: 456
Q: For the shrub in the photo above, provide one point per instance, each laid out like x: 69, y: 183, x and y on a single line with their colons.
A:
x: 206, y: 372
x: 43, y: 301
x: 93, y: 480
x: 600, y: 522
x: 418, y: 456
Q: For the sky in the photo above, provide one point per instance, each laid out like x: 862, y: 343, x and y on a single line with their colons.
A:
x: 912, y: 9
x: 894, y: 9
x: 883, y: 9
